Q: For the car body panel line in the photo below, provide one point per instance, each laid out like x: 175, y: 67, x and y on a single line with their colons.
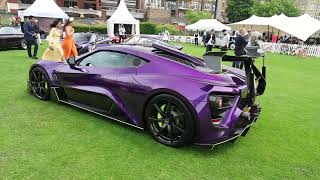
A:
x: 78, y: 106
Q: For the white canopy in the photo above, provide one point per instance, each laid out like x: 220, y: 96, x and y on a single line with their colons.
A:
x: 122, y: 16
x: 256, y: 20
x: 45, y: 8
x: 208, y: 24
x: 301, y: 27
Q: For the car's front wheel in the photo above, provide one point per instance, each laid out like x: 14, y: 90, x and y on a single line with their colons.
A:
x: 232, y: 46
x: 39, y: 83
x: 169, y: 120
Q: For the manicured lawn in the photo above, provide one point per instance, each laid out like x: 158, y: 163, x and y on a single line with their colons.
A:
x: 46, y: 140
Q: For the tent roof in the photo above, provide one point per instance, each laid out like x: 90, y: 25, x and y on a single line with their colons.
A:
x: 122, y: 15
x: 45, y: 8
x: 301, y: 27
x: 256, y: 20
x: 208, y: 24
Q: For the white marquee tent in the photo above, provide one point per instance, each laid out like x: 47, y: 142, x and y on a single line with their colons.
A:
x: 122, y: 16
x: 207, y: 24
x: 301, y: 27
x: 256, y: 21
x: 45, y: 8
x: 45, y: 11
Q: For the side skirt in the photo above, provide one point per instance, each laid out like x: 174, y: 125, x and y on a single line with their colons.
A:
x: 78, y: 105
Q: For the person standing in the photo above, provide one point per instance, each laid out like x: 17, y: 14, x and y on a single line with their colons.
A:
x: 165, y: 35
x: 210, y: 40
x: 68, y: 44
x: 196, y: 38
x: 30, y: 36
x: 121, y: 31
x: 54, y: 52
x: 240, y: 43
x: 37, y: 28
x: 225, y: 40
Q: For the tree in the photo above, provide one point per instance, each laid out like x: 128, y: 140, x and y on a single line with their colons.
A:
x: 239, y: 9
x: 193, y: 16
x: 272, y: 7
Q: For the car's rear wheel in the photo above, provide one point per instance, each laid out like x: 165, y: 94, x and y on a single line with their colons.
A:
x: 39, y: 84
x: 169, y: 120
x: 23, y: 44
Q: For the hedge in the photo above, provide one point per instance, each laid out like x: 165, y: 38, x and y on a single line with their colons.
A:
x: 97, y: 29
x: 145, y: 28
x: 153, y: 28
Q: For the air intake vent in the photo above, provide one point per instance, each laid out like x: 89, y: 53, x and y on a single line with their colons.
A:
x: 176, y: 58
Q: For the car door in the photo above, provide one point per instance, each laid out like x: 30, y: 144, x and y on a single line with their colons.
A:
x: 102, y: 82
x: 90, y: 82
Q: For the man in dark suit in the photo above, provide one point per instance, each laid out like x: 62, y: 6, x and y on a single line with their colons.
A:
x: 241, y: 42
x: 210, y: 40
x: 30, y: 36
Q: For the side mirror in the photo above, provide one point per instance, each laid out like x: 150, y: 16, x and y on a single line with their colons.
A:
x: 71, y: 61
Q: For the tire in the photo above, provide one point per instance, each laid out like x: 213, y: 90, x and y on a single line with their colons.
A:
x: 39, y: 84
x: 232, y: 46
x: 169, y: 121
x: 23, y: 44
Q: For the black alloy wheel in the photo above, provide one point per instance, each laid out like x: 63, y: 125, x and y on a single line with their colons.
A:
x: 39, y: 84
x: 170, y: 121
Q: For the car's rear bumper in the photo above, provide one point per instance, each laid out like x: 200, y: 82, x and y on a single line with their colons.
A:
x: 243, y: 124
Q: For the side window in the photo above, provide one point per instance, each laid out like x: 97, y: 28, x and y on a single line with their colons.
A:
x: 112, y: 60
x: 104, y: 59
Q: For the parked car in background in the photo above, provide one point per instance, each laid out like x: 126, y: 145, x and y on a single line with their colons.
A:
x: 85, y: 42
x: 219, y: 37
x: 11, y: 37
x: 145, y: 40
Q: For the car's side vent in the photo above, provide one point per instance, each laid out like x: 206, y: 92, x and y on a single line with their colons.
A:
x: 176, y: 58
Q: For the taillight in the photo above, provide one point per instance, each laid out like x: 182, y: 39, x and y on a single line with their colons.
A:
x: 219, y: 105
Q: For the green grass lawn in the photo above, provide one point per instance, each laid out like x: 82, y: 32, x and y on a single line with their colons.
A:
x: 47, y: 140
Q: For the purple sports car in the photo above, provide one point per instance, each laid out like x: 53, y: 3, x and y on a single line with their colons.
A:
x: 173, y: 95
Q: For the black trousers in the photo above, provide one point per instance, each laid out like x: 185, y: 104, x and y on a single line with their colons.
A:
x: 209, y: 48
x: 196, y: 41
x: 29, y: 45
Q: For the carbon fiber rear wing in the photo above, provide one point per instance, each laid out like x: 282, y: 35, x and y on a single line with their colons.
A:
x: 253, y: 74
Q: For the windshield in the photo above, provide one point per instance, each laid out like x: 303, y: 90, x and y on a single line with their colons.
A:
x: 9, y: 30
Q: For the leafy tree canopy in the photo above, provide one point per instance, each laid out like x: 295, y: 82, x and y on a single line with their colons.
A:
x: 194, y: 16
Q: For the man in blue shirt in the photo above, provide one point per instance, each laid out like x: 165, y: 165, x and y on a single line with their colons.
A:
x: 30, y: 36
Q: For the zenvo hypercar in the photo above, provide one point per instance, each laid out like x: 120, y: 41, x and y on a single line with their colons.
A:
x: 174, y: 96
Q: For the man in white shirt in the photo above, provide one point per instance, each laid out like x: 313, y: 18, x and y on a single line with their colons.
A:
x: 122, y: 32
x: 225, y: 40
x: 165, y: 35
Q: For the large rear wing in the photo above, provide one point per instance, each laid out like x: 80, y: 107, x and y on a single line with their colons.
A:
x: 253, y: 74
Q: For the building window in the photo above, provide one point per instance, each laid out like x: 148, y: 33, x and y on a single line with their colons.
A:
x: 27, y: 1
x: 90, y: 5
x: 70, y: 3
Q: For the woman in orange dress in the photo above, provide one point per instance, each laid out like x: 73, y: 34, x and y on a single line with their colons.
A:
x: 68, y: 45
